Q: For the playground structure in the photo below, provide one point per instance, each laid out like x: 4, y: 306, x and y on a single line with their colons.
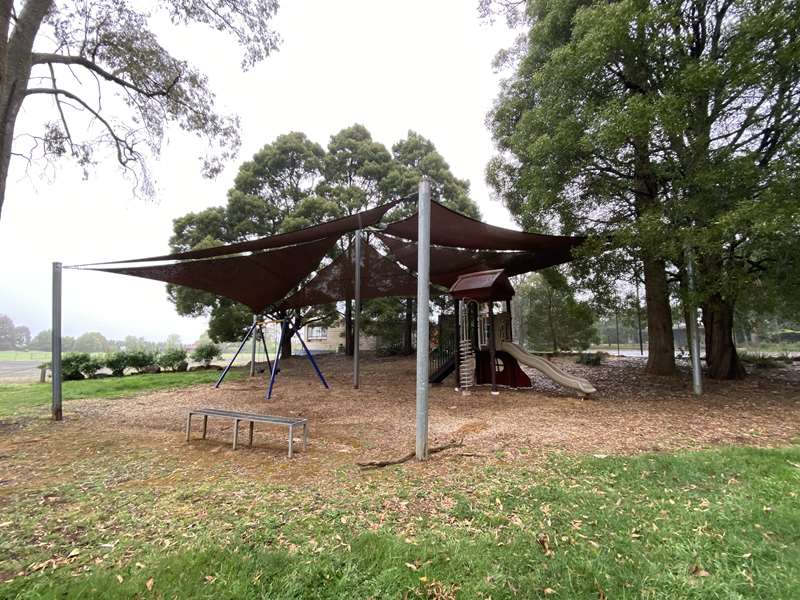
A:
x: 478, y: 345
x: 423, y: 254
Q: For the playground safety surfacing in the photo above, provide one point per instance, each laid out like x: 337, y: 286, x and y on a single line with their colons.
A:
x: 632, y: 412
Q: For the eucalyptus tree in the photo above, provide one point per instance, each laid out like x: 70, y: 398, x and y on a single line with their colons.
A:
x: 274, y: 192
x: 108, y: 85
x: 660, y: 126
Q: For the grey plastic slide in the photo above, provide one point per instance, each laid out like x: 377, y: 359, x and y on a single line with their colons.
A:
x: 548, y: 369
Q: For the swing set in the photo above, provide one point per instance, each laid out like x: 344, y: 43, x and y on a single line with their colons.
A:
x: 258, y: 330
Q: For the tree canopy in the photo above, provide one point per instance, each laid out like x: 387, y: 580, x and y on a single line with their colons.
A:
x: 294, y: 182
x: 661, y: 126
x: 111, y: 86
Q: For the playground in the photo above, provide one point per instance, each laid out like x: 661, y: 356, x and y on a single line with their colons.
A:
x: 630, y: 413
x: 529, y: 468
x: 115, y: 494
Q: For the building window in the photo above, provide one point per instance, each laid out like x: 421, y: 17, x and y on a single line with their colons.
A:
x: 317, y: 333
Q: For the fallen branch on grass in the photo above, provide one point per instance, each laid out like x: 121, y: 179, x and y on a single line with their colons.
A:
x: 377, y: 464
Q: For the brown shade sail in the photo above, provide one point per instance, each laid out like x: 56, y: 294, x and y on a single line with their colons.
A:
x: 380, y: 277
x: 449, y: 228
x: 257, y: 280
x: 336, y: 227
x: 446, y: 264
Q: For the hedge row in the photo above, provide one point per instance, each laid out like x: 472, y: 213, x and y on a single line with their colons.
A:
x: 80, y: 365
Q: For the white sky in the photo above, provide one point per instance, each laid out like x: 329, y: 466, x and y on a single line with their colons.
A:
x: 391, y: 66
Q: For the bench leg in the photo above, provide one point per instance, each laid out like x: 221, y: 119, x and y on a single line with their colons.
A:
x: 251, y: 433
x: 291, y: 439
x: 305, y: 436
x: 205, y: 425
x: 188, y: 426
x: 235, y: 433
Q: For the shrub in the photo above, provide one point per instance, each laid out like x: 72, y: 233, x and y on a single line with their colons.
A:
x: 79, y: 365
x: 141, y: 359
x: 117, y: 362
x: 206, y: 353
x: 592, y: 359
x: 172, y: 359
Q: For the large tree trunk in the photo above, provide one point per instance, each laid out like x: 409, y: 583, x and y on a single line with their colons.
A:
x: 721, y: 356
x: 15, y: 71
x: 286, y: 345
x: 408, y: 327
x: 661, y: 346
x: 348, y: 328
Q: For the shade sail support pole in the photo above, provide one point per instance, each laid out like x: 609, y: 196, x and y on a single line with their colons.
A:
x: 230, y: 364
x: 697, y: 372
x: 357, y: 312
x: 55, y: 344
x: 254, y: 346
x: 313, y: 362
x: 423, y: 314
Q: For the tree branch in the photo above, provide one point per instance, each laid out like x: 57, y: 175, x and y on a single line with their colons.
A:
x: 120, y: 143
x: 38, y: 58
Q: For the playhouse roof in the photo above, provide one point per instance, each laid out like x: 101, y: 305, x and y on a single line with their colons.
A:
x: 483, y: 286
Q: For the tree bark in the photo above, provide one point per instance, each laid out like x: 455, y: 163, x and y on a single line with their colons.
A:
x: 15, y: 71
x: 348, y: 328
x: 661, y: 346
x: 286, y: 344
x: 408, y: 327
x: 722, y: 359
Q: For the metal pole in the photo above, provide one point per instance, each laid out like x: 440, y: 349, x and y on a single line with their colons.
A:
x: 230, y: 364
x: 313, y: 362
x: 276, y: 362
x: 697, y: 373
x: 55, y: 343
x: 616, y: 317
x: 253, y: 348
x: 492, y: 351
x: 423, y: 310
x: 357, y: 311
x: 457, y: 356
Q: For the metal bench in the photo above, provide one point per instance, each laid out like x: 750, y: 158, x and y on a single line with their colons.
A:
x: 237, y: 417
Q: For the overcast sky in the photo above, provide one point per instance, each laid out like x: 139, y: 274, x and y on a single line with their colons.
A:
x: 391, y: 66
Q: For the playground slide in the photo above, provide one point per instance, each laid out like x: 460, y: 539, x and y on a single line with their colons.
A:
x: 548, y: 368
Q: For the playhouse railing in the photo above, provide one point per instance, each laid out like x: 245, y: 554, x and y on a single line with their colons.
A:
x: 446, y: 344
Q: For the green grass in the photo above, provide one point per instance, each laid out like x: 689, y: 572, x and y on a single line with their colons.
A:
x: 16, y: 397
x: 705, y: 525
x: 11, y: 355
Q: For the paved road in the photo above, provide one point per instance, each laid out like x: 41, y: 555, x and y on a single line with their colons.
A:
x: 19, y: 371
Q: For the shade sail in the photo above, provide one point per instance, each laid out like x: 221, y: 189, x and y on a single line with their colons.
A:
x: 380, y: 277
x: 449, y: 228
x: 447, y: 264
x: 337, y: 228
x: 257, y: 280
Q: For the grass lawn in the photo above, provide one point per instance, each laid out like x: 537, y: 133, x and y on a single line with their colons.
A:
x: 710, y: 524
x: 24, y: 355
x: 14, y: 397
